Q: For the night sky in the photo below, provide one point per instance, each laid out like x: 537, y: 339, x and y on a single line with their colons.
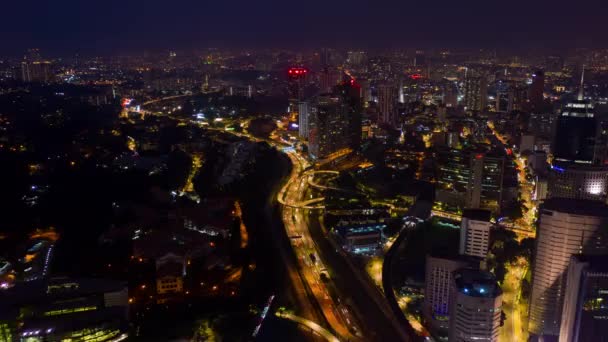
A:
x: 109, y: 26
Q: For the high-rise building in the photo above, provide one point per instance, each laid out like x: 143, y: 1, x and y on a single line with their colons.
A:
x: 585, y: 311
x: 535, y: 94
x: 438, y: 282
x: 356, y: 58
x: 475, y: 93
x: 516, y: 96
x: 387, y: 99
x: 475, y: 307
x: 34, y: 68
x: 350, y: 105
x: 327, y: 127
x: 576, y: 132
x: 485, y: 182
x: 475, y: 232
x: 328, y: 78
x: 566, y: 227
x: 578, y: 181
x: 304, y: 109
x: 296, y: 80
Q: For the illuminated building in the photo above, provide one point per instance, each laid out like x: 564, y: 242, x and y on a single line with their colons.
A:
x: 328, y: 127
x: 63, y: 309
x: 566, y: 227
x: 484, y: 190
x: 475, y: 93
x: 361, y: 238
x: 475, y: 307
x: 475, y: 233
x: 387, y: 99
x: 304, y: 108
x: 34, y: 68
x: 576, y: 181
x: 170, y: 271
x: 296, y: 78
x: 438, y: 281
x: 350, y: 106
x: 356, y: 58
x: 585, y: 312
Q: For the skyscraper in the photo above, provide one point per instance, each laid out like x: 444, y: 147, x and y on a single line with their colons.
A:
x: 34, y: 68
x: 438, y: 282
x: 485, y: 182
x: 387, y: 98
x: 475, y: 232
x: 296, y: 78
x: 475, y: 307
x: 585, y: 312
x: 475, y: 93
x: 576, y: 132
x: 303, y: 118
x: 535, y: 94
x: 328, y: 127
x: 328, y: 78
x: 350, y: 105
x: 567, y: 227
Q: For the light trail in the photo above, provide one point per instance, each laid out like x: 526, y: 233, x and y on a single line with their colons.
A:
x: 309, y: 324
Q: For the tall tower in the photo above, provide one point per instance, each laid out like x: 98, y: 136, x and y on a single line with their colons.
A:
x: 475, y: 92
x: 585, y: 313
x: 303, y: 118
x: 387, y: 96
x: 484, y: 188
x: 567, y: 227
x: 475, y: 307
x: 535, y: 94
x: 438, y: 282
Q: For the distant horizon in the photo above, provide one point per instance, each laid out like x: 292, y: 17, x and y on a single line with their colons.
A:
x: 71, y: 26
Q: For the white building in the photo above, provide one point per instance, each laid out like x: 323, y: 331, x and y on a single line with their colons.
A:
x: 475, y: 307
x: 475, y: 233
x: 567, y: 227
x: 438, y: 281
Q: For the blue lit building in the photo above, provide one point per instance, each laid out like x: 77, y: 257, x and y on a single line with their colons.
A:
x: 361, y: 238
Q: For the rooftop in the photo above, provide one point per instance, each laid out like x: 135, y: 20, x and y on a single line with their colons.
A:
x: 576, y: 207
x: 476, y: 283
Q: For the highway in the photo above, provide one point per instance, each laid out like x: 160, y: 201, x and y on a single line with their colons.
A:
x: 309, y: 324
x: 311, y: 265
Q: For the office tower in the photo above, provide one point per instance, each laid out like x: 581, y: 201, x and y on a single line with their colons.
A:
x: 485, y: 182
x: 34, y: 68
x: 387, y: 98
x: 365, y: 92
x: 328, y: 78
x: 585, y: 312
x: 350, y: 105
x: 475, y: 232
x: 303, y: 117
x: 438, y: 282
x: 566, y: 227
x: 475, y: 92
x: 296, y: 78
x: 535, y: 94
x: 328, y: 127
x: 356, y: 58
x: 576, y: 132
x: 516, y: 96
x: 579, y: 181
x: 475, y: 307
